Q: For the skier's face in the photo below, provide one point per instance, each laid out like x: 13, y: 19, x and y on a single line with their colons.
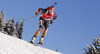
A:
x: 50, y: 11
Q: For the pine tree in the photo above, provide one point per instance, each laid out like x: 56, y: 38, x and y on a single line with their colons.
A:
x: 95, y: 48
x: 9, y: 27
x: 20, y: 30
x: 2, y: 21
x: 13, y: 28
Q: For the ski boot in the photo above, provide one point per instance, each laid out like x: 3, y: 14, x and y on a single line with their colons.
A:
x: 41, y: 41
x: 33, y: 39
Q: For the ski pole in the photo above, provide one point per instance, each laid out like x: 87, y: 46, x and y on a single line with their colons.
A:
x: 55, y: 3
x: 29, y: 18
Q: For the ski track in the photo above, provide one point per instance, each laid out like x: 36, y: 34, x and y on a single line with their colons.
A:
x: 12, y: 45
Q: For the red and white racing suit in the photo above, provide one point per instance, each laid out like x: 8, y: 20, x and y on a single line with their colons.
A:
x: 46, y: 15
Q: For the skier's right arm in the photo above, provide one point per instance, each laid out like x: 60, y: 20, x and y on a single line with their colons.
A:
x: 40, y: 9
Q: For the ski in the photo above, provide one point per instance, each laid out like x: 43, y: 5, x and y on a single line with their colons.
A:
x: 37, y: 44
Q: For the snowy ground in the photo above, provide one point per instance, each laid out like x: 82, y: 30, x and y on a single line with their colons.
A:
x: 12, y: 45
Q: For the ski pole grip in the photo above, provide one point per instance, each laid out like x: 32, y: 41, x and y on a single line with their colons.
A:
x: 55, y: 3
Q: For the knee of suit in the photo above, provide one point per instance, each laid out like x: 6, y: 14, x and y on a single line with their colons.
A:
x: 46, y: 28
x: 41, y: 26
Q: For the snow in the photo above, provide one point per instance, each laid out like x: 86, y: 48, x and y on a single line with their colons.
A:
x: 12, y: 45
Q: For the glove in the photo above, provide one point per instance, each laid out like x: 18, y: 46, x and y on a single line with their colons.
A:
x: 51, y: 22
x: 36, y: 13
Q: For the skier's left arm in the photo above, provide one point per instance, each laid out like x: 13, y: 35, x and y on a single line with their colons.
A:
x: 54, y: 17
x: 39, y: 10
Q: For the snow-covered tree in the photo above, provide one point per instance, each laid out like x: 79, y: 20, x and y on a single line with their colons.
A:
x: 2, y: 21
x: 19, y: 29
x: 95, y: 48
x: 9, y: 27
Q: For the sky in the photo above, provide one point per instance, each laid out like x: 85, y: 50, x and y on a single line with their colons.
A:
x: 77, y: 23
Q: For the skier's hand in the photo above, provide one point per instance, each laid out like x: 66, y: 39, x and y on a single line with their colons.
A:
x: 36, y: 13
x: 51, y: 22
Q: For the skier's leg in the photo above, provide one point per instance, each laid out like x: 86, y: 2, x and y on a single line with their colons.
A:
x: 38, y: 31
x: 36, y: 34
x: 43, y: 35
x: 41, y: 22
x: 44, y: 32
x: 33, y: 39
x: 46, y: 25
